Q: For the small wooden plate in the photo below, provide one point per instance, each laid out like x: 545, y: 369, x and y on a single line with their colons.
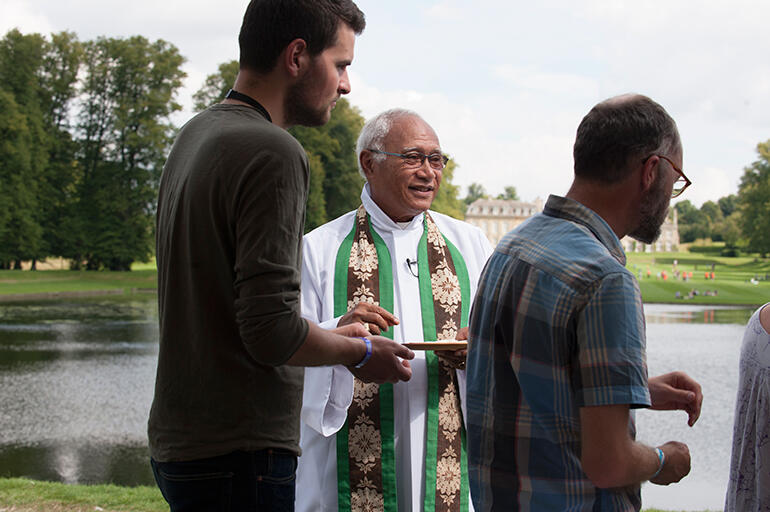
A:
x: 437, y: 345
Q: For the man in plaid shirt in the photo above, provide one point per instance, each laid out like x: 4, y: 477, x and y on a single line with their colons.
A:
x: 556, y: 361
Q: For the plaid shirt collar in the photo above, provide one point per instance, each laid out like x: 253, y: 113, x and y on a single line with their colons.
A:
x: 571, y: 210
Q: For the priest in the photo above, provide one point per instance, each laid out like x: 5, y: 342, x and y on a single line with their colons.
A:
x: 404, y: 272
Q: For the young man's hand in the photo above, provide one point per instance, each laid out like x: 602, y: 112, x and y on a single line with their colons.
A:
x: 388, y: 362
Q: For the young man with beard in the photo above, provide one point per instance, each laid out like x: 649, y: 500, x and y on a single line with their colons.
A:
x: 224, y: 424
x: 556, y: 360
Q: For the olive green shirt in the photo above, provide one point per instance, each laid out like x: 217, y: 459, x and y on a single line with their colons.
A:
x: 231, y: 211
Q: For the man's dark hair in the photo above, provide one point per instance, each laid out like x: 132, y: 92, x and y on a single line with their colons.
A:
x: 618, y: 131
x: 270, y: 25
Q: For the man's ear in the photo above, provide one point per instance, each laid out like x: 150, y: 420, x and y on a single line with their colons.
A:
x: 295, y: 57
x: 366, y: 159
x: 649, y: 173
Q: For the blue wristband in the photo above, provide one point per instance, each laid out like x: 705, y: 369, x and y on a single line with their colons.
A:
x: 368, y: 352
x: 661, y: 461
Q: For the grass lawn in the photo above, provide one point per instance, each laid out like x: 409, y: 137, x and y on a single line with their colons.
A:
x: 732, y: 278
x: 54, y: 281
x: 731, y: 281
x: 23, y: 495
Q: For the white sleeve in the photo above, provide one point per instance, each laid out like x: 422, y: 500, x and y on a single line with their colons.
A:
x: 328, y: 390
x: 328, y: 394
x: 485, y: 246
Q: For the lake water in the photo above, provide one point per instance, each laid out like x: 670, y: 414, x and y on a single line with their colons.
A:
x: 76, y: 382
x: 705, y: 342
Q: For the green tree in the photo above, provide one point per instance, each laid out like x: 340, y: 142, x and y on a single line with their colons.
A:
x: 731, y: 230
x: 216, y: 86
x: 124, y: 134
x: 16, y: 200
x: 335, y: 183
x: 58, y: 87
x: 754, y: 201
x: 693, y: 223
x: 316, y: 204
x: 335, y: 146
x: 446, y: 200
x: 712, y: 211
x: 475, y: 191
x: 20, y: 61
x: 728, y: 204
x: 714, y: 216
x: 510, y: 194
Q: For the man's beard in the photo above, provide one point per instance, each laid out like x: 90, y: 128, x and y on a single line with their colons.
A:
x: 298, y: 106
x: 652, y: 214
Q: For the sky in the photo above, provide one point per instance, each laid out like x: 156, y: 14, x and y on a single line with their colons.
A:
x: 504, y: 83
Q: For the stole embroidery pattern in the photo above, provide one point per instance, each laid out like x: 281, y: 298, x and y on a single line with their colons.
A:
x: 447, y: 298
x: 364, y: 431
x: 364, y: 434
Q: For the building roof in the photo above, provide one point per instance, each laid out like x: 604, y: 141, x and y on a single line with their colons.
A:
x: 501, y: 206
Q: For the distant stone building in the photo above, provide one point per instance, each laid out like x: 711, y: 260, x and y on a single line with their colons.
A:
x: 667, y: 242
x: 496, y: 217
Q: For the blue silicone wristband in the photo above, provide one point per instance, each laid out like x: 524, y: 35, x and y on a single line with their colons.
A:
x: 368, y: 352
x: 661, y: 461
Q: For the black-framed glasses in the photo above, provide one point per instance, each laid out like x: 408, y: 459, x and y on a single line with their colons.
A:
x: 681, y: 183
x: 415, y: 159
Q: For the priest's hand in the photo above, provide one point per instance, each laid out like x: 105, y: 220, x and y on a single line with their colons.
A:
x: 388, y: 362
x: 457, y: 358
x: 374, y: 318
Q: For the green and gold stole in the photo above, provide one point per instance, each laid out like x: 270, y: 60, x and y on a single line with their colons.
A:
x: 366, y: 472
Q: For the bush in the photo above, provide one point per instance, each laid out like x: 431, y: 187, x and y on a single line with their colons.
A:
x: 706, y: 249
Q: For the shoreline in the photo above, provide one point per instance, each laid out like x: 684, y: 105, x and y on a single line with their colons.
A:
x: 29, y: 297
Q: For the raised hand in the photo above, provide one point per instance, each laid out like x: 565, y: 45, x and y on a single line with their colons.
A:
x: 676, y: 391
x: 374, y: 318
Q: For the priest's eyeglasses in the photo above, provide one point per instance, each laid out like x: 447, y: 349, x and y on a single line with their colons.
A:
x: 681, y: 183
x: 415, y: 159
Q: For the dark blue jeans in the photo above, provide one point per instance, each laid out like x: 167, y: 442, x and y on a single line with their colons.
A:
x: 239, y: 481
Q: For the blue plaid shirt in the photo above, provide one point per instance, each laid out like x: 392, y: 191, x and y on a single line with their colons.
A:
x: 557, y: 324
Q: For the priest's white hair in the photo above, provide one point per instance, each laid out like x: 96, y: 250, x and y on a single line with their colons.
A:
x: 376, y: 129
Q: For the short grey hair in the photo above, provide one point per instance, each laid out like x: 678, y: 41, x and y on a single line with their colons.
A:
x: 619, y: 131
x: 375, y: 130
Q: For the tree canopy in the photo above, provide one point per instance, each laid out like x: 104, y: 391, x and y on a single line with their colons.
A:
x: 447, y: 200
x: 216, y: 86
x: 475, y: 191
x: 85, y: 131
x: 335, y: 183
x: 754, y: 201
x: 85, y: 128
x: 509, y: 194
